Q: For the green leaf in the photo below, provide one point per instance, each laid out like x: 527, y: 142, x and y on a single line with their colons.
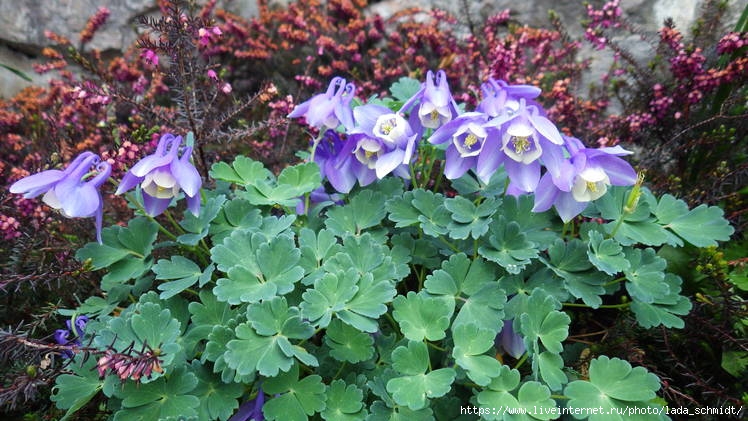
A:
x: 469, y: 220
x: 703, y: 226
x: 167, y: 397
x: 663, y: 310
x: 473, y: 285
x: 316, y: 247
x: 434, y: 217
x: 258, y: 269
x: 416, y: 386
x: 183, y: 272
x: 544, y: 323
x: 405, y: 88
x: 422, y: 317
x: 244, y: 171
x: 344, y: 402
x: 646, y: 275
x: 329, y: 296
x: 509, y: 247
x: 401, y: 210
x: 207, y: 313
x: 613, y: 385
x: 73, y: 391
x: 347, y: 343
x: 471, y: 343
x: 299, y: 398
x: 550, y: 366
x: 365, y: 210
x: 534, y: 225
x: 300, y: 179
x: 218, y: 400
x: 531, y: 402
x: 197, y: 227
x: 570, y: 262
x: 262, y: 344
x: 735, y: 362
x: 606, y: 254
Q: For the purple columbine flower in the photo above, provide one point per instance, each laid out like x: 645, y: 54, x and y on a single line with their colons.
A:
x: 432, y: 106
x: 330, y: 109
x: 338, y: 168
x: 77, y: 329
x: 509, y: 341
x: 467, y: 135
x: 163, y: 174
x: 73, y: 191
x: 251, y: 410
x: 383, y: 142
x: 500, y: 98
x: 525, y: 136
x: 593, y: 170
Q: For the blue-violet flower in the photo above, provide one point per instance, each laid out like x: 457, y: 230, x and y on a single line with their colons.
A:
x: 163, y: 174
x: 433, y: 105
x: 73, y: 191
x: 330, y: 109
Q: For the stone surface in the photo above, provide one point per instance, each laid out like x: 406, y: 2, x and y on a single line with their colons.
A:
x: 23, y: 22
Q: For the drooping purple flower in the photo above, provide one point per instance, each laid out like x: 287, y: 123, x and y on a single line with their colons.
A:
x: 525, y: 136
x: 500, y: 98
x: 317, y: 196
x: 432, y: 106
x: 509, y: 341
x: 467, y: 135
x: 330, y: 109
x: 251, y: 410
x: 163, y: 174
x: 73, y: 191
x: 382, y: 143
x: 77, y: 329
x: 593, y: 170
x: 333, y: 164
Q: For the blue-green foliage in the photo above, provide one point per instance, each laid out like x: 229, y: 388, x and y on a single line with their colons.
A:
x: 389, y: 309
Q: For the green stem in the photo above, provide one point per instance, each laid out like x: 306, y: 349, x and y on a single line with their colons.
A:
x: 521, y: 361
x: 614, y: 281
x: 450, y: 245
x: 618, y: 225
x: 160, y: 227
x: 174, y: 222
x: 315, y: 143
x: 340, y: 370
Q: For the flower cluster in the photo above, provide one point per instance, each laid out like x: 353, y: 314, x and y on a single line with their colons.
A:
x: 508, y: 129
x: 75, y: 191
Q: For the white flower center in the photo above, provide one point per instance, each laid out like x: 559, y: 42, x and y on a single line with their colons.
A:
x: 520, y: 143
x: 590, y: 184
x: 160, y: 184
x: 392, y: 128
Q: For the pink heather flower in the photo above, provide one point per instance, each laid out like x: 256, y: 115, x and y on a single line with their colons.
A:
x: 150, y: 57
x: 226, y: 88
x: 212, y: 74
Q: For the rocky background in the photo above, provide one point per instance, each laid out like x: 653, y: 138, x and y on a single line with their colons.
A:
x: 23, y: 23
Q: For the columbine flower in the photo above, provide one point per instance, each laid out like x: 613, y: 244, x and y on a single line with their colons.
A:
x: 77, y: 329
x: 251, y: 410
x: 593, y: 171
x: 163, y: 174
x: 468, y: 134
x: 74, y: 192
x: 501, y: 98
x: 509, y: 341
x: 434, y: 105
x: 382, y: 143
x: 331, y: 109
x: 338, y: 168
x: 525, y: 136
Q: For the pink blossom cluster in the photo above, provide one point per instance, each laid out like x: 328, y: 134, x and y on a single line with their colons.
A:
x: 9, y: 227
x: 599, y: 19
x: 731, y: 42
x: 97, y: 21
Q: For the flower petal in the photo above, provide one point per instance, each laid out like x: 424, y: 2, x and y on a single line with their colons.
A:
x: 547, y: 129
x: 524, y: 176
x: 545, y: 194
x: 186, y: 174
x: 36, y: 184
x: 456, y: 166
x: 388, y: 162
x: 154, y: 206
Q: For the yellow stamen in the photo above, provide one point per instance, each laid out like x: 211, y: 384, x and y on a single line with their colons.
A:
x: 470, y: 140
x: 388, y: 126
x: 592, y: 186
x: 434, y: 115
x: 521, y: 144
x: 368, y: 154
